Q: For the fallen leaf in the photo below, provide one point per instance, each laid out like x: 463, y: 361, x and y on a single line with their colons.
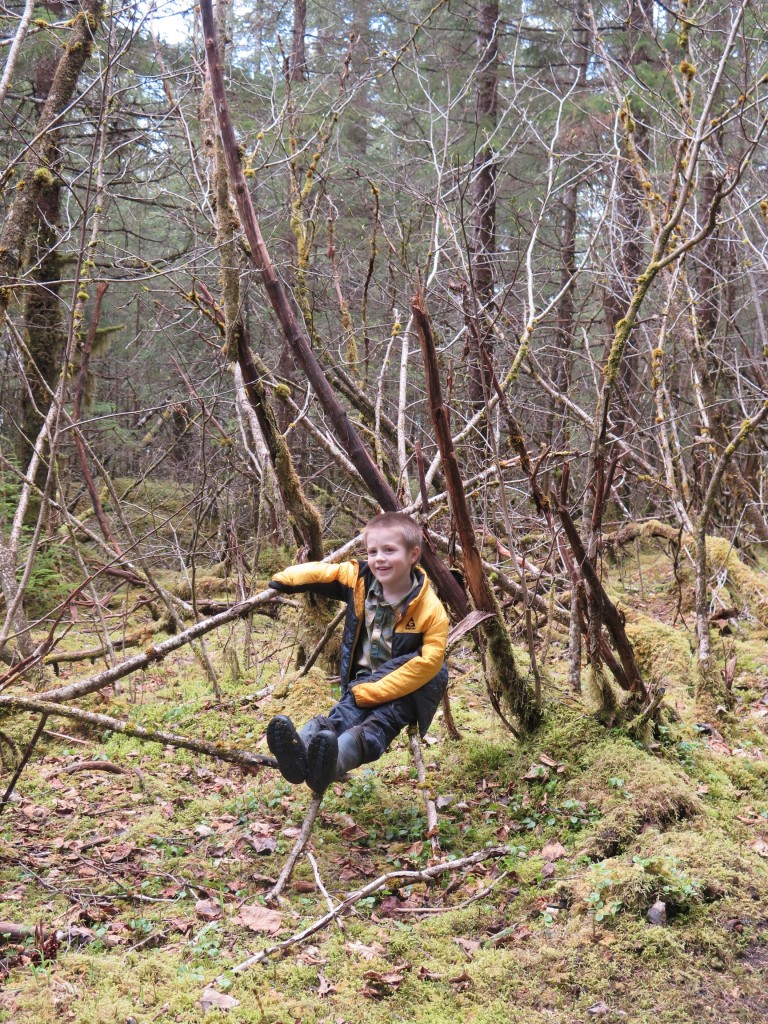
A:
x: 553, y: 851
x: 599, y: 1009
x: 549, y: 870
x: 209, y: 910
x: 461, y: 981
x: 470, y: 946
x: 761, y: 847
x: 213, y: 1000
x: 537, y: 771
x: 357, y: 948
x: 423, y: 974
x: 259, y: 919
x: 548, y: 761
x: 311, y: 956
x: 445, y: 801
x: 324, y: 987
x: 383, y: 983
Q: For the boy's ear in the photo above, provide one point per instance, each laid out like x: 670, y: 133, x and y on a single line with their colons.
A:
x: 415, y: 554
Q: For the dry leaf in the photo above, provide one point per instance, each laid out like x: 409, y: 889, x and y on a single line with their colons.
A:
x: 599, y: 1009
x: 209, y: 910
x: 549, y: 870
x: 324, y: 987
x: 365, y: 952
x: 461, y: 981
x: 553, y: 851
x: 470, y: 946
x: 761, y: 847
x: 213, y: 1000
x: 537, y: 771
x: 259, y: 919
x: 548, y: 761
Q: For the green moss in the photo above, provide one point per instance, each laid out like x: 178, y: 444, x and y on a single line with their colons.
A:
x: 663, y: 654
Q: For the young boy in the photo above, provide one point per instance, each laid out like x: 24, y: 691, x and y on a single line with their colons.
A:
x: 392, y: 655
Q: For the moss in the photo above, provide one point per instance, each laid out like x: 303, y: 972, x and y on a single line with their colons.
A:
x: 663, y: 654
x: 744, y: 584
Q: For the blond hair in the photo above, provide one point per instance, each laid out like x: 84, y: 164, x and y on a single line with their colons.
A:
x: 409, y: 529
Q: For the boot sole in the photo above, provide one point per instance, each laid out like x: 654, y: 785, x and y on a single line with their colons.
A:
x: 286, y: 744
x: 321, y: 761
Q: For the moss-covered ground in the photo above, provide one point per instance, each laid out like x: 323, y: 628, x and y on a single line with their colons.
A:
x: 153, y: 876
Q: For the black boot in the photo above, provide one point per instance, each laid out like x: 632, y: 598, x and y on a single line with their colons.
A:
x: 322, y: 755
x: 288, y: 748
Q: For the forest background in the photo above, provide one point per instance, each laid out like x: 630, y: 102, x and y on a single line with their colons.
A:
x: 502, y: 265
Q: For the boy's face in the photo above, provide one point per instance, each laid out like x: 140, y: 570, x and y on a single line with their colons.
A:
x: 390, y: 560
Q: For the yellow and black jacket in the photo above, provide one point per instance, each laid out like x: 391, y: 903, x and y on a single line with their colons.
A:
x: 417, y: 665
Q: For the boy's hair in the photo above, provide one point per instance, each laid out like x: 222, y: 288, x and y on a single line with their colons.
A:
x: 409, y: 529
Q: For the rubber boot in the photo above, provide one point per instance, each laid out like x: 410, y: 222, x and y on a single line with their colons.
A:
x: 313, y: 727
x: 288, y: 748
x: 351, y: 751
x: 322, y: 754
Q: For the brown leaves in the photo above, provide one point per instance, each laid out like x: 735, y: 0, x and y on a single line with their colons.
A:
x: 324, y: 987
x: 259, y: 919
x: 213, y: 1000
x: 379, y: 984
x: 208, y: 910
x: 365, y: 952
x: 470, y: 946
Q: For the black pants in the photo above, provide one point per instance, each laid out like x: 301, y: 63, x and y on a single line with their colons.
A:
x: 376, y: 727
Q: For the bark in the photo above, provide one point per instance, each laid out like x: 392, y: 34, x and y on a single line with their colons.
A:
x: 447, y: 587
x: 512, y: 689
x: 483, y: 194
x: 297, y: 63
x: 36, y: 175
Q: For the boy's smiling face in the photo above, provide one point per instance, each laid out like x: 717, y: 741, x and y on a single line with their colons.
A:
x: 390, y: 560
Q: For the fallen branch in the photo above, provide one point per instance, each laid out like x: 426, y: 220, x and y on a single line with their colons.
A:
x: 155, y: 652
x: 298, y: 848
x: 230, y: 754
x: 330, y: 629
x: 23, y: 763
x: 429, y: 802
x: 101, y: 766
x: 407, y: 877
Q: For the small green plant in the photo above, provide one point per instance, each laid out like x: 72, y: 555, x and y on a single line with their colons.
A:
x: 599, y: 903
x: 141, y: 926
x: 361, y: 788
x: 208, y: 942
x: 674, y: 885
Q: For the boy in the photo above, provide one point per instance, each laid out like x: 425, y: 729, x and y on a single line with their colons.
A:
x: 392, y: 655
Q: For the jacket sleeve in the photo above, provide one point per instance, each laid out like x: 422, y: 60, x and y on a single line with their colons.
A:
x: 403, y: 675
x: 323, y: 578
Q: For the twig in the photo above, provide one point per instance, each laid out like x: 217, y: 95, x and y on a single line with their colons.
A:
x: 23, y: 763
x: 429, y: 803
x: 459, y: 906
x: 298, y: 849
x: 329, y: 631
x: 411, y: 877
x: 321, y: 887
x: 102, y: 766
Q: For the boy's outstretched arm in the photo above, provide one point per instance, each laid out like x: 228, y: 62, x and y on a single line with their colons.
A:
x: 322, y: 578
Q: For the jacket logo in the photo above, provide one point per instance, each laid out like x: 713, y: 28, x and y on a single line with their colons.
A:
x: 410, y: 624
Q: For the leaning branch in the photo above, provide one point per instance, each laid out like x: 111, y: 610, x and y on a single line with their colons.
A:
x: 47, y: 708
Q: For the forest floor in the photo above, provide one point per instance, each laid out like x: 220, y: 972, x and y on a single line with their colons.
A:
x: 156, y: 877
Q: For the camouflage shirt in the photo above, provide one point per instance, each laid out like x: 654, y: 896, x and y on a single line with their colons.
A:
x: 375, y: 646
